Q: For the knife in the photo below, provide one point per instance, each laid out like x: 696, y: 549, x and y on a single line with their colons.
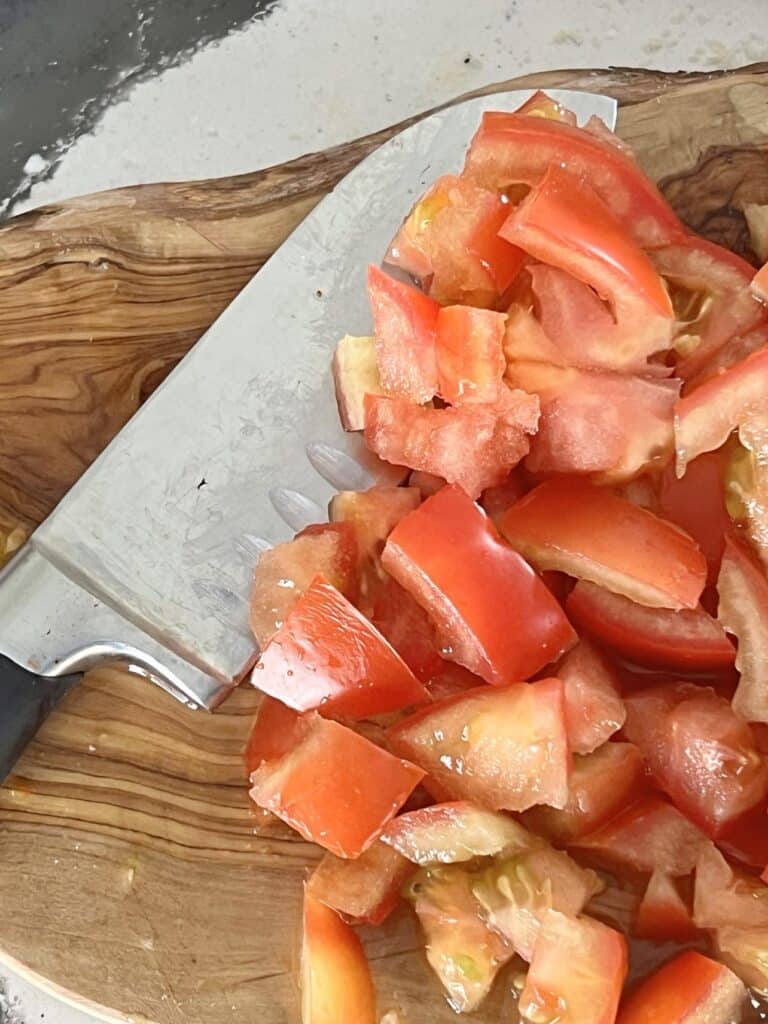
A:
x: 148, y: 559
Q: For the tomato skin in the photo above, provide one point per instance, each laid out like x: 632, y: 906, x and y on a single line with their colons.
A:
x: 594, y: 710
x: 595, y: 535
x: 743, y: 609
x: 275, y: 731
x: 499, y: 620
x: 688, y: 640
x: 336, y: 984
x: 663, y: 915
x: 405, y: 322
x: 322, y: 787
x: 326, y: 654
x: 365, y: 890
x: 470, y: 359
x: 512, y: 148
x: 688, y: 988
x: 449, y: 833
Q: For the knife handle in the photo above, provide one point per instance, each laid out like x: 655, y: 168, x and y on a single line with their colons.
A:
x: 25, y: 702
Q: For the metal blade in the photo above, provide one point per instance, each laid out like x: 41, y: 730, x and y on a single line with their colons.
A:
x: 162, y: 532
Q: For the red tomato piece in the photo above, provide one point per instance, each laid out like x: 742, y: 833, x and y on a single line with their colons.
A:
x: 496, y: 500
x: 450, y: 680
x: 426, y: 484
x: 723, y: 896
x: 732, y: 352
x: 594, y: 710
x: 509, y: 149
x: 541, y: 105
x: 663, y: 915
x: 743, y: 610
x: 407, y: 627
x: 404, y: 324
x: 595, y: 535
x: 747, y: 480
x: 597, y: 422
x: 323, y: 787
x: 498, y: 619
x: 328, y: 655
x: 284, y: 572
x: 449, y: 242
x: 474, y: 446
x: 277, y: 730
x: 470, y: 358
x: 577, y: 972
x: 365, y: 890
x: 336, y: 984
x: 688, y: 639
x: 688, y: 989
x: 564, y: 223
x: 449, y: 833
x: 647, y: 836
x: 601, y: 784
x: 699, y: 752
x: 504, y: 747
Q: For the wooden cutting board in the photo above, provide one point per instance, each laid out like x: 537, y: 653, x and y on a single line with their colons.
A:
x: 133, y: 873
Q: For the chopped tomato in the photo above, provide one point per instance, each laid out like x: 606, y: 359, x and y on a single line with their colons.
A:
x: 336, y: 984
x: 747, y: 480
x: 474, y: 446
x: 576, y: 974
x: 404, y: 324
x: 364, y: 890
x: 596, y: 422
x: 509, y: 149
x: 746, y: 838
x: 601, y: 784
x: 450, y: 680
x: 463, y: 951
x: 685, y: 990
x: 594, y: 710
x: 647, y: 836
x: 494, y: 615
x: 470, y: 358
x: 284, y: 572
x: 327, y: 655
x: 426, y: 484
x: 355, y: 375
x: 732, y: 352
x: 744, y: 951
x: 743, y: 610
x: 322, y: 787
x: 276, y: 730
x: 406, y: 626
x: 452, y: 832
x: 541, y: 105
x: 688, y: 639
x: 595, y: 535
x: 496, y: 500
x: 517, y: 892
x: 503, y: 746
x: 698, y: 751
x: 449, y: 242
x: 663, y: 915
x: 759, y: 284
x: 724, y: 896
x: 564, y: 223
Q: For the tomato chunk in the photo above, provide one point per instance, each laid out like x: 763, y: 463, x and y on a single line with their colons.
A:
x: 493, y: 613
x: 514, y: 148
x: 663, y: 915
x: 326, y: 654
x: 688, y: 989
x: 747, y: 480
x: 503, y: 746
x: 276, y: 730
x: 322, y: 787
x: 648, y: 835
x: 355, y: 375
x: 743, y: 610
x: 699, y: 752
x: 688, y: 639
x: 284, y: 572
x: 594, y: 710
x: 364, y: 890
x: 407, y: 627
x: 577, y: 972
x: 724, y: 896
x: 595, y: 535
x: 496, y: 500
x: 743, y: 950
x: 336, y: 984
x: 542, y: 105
x: 470, y: 358
x: 601, y: 784
x: 449, y: 833
x: 404, y: 324
x: 474, y: 446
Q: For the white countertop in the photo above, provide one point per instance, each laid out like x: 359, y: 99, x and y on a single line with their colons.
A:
x: 309, y: 76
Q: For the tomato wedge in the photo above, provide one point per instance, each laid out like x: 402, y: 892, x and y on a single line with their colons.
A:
x: 686, y: 990
x: 514, y: 148
x: 404, y: 324
x: 365, y: 890
x: 577, y: 972
x: 493, y: 613
x: 724, y: 896
x: 595, y: 535
x: 470, y: 358
x: 594, y: 710
x: 564, y: 223
x: 474, y: 446
x: 743, y: 610
x: 503, y: 746
x: 336, y: 984
x: 326, y: 654
x: 663, y: 915
x: 688, y: 639
x: 449, y: 833
x: 322, y: 787
x: 277, y: 730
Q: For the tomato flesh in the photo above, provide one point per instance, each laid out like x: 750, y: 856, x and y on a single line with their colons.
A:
x: 726, y: 897
x: 689, y: 989
x: 743, y: 610
x: 406, y: 626
x: 355, y: 375
x: 470, y: 358
x: 276, y: 731
x: 365, y: 890
x: 663, y: 915
x: 594, y: 710
x: 449, y: 833
x: 743, y: 950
